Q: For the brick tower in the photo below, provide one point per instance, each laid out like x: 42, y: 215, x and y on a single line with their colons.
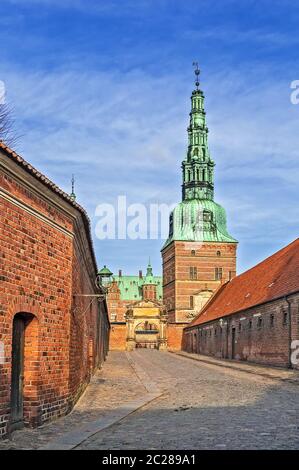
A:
x: 199, y: 253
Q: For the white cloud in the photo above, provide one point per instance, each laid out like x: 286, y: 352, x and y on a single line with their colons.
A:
x: 128, y: 136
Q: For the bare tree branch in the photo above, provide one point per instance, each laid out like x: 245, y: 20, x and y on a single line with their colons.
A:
x: 7, y: 125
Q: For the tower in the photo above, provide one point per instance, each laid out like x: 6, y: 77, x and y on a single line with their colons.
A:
x: 199, y: 254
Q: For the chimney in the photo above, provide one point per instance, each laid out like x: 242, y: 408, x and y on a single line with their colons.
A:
x: 119, y: 273
x: 140, y: 274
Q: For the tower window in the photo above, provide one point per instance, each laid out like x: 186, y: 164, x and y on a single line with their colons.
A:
x: 207, y: 216
x: 218, y: 253
x: 193, y: 253
x: 193, y: 273
x: 218, y: 274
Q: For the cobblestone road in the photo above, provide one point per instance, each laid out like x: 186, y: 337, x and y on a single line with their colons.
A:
x: 203, y: 406
x: 206, y: 407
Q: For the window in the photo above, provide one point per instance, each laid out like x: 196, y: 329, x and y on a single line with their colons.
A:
x: 218, y: 253
x: 193, y: 273
x: 192, y: 252
x: 218, y: 274
x: 285, y: 318
x: 215, y: 332
x: 240, y: 326
x: 250, y: 324
x: 259, y: 322
x: 191, y: 301
x: 272, y: 320
x: 207, y: 216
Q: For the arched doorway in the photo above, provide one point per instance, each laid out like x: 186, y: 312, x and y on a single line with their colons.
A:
x: 147, y: 335
x: 24, y: 352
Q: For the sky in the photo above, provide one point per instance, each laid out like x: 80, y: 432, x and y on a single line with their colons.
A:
x: 102, y: 89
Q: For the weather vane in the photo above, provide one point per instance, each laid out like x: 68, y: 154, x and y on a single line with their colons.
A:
x: 73, y: 195
x: 197, y: 72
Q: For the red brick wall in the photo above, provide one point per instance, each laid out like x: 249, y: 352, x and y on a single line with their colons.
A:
x: 45, y: 260
x: 118, y: 336
x: 175, y: 335
x: 149, y: 291
x: 267, y: 341
x: 178, y: 286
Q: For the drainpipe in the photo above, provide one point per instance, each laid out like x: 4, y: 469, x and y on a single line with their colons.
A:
x: 290, y: 332
x: 227, y: 335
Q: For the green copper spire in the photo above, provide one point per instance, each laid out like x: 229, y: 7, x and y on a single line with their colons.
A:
x: 149, y: 270
x: 198, y: 217
x: 198, y: 167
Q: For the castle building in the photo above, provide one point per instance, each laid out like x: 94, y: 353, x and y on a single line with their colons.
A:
x: 199, y: 254
x: 137, y: 316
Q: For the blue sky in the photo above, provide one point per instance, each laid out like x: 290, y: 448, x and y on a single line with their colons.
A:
x: 101, y: 89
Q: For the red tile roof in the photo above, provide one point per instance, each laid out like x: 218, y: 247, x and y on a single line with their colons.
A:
x: 271, y: 279
x: 34, y: 172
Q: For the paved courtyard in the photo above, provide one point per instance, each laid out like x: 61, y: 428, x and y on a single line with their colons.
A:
x: 198, y: 405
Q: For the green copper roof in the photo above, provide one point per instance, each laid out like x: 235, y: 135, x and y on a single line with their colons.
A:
x: 198, y: 220
x: 131, y: 286
x: 198, y: 217
x: 105, y: 271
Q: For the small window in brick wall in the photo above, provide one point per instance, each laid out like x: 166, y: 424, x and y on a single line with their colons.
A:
x: 259, y: 322
x: 218, y: 253
x: 218, y: 274
x: 192, y: 252
x: 271, y: 320
x: 215, y: 332
x: 193, y: 273
x: 240, y: 326
x: 250, y: 324
x: 285, y: 318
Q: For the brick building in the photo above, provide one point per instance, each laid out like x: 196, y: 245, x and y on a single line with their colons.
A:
x: 199, y: 254
x: 129, y: 294
x: 54, y: 325
x: 255, y: 316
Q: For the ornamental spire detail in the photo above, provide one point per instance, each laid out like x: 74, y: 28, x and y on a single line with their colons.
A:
x: 198, y: 167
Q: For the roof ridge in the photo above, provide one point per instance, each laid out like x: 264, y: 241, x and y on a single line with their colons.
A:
x: 277, y: 253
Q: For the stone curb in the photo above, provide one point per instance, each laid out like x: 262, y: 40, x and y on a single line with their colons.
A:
x: 230, y: 365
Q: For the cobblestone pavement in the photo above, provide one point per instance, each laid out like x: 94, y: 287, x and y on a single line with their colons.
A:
x: 115, y: 384
x: 206, y: 406
x: 203, y: 406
